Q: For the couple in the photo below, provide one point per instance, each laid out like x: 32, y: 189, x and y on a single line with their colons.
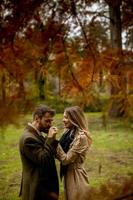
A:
x: 39, y: 175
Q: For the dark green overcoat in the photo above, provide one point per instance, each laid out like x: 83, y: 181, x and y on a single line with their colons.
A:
x: 39, y: 175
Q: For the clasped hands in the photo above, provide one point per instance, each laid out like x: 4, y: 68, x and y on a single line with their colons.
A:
x: 52, y: 132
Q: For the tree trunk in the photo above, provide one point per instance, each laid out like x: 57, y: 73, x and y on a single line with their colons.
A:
x: 3, y: 87
x: 21, y: 90
x: 115, y: 24
x: 41, y: 84
x: 116, y: 44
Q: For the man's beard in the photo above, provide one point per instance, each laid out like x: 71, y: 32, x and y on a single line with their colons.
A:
x: 44, y: 129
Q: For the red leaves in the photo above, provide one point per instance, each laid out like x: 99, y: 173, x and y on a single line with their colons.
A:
x: 22, y: 12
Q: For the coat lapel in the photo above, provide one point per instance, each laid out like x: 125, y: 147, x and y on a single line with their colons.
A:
x: 34, y: 132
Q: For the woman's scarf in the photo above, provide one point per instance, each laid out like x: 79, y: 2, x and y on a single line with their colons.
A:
x: 65, y: 142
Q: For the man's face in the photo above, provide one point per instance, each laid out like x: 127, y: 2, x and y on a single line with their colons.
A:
x: 45, y: 122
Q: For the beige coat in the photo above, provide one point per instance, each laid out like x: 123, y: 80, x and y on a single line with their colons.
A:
x: 75, y: 180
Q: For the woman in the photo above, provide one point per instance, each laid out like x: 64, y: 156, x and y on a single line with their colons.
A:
x: 71, y: 151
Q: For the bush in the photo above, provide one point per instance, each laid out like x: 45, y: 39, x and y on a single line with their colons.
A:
x: 56, y: 103
x: 97, y: 105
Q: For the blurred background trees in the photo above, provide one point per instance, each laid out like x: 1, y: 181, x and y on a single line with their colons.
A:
x: 66, y: 52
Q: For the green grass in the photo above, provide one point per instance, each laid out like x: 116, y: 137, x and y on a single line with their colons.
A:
x: 111, y: 151
x: 10, y: 166
x: 109, y: 159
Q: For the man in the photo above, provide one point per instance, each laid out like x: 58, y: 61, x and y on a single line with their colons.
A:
x: 39, y: 175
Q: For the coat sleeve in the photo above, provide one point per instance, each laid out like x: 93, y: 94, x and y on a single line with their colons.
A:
x: 38, y: 153
x: 80, y: 145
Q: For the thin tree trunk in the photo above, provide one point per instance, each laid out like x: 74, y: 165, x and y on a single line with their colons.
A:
x: 21, y: 90
x: 41, y: 86
x: 3, y: 87
x: 115, y: 24
x: 59, y: 77
x: 116, y: 44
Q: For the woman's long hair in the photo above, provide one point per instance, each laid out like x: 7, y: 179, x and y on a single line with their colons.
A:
x: 78, y: 119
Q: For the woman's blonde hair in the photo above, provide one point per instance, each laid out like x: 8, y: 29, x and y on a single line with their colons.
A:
x: 78, y: 119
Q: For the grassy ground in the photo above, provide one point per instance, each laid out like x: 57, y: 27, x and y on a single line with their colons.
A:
x: 109, y: 162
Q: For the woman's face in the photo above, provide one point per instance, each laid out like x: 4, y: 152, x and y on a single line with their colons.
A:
x: 66, y: 121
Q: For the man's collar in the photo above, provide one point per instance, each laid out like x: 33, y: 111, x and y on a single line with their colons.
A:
x: 31, y: 125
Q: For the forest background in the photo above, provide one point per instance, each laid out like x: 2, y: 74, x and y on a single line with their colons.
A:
x: 63, y: 53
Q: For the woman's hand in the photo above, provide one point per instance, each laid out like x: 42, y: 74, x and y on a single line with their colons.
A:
x: 52, y: 132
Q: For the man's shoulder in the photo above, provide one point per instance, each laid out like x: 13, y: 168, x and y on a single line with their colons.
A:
x: 27, y: 134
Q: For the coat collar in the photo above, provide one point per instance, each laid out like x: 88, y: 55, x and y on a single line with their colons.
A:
x: 34, y: 129
x: 36, y: 132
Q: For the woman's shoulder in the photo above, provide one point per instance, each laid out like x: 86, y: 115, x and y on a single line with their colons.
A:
x: 81, y: 135
x: 84, y: 136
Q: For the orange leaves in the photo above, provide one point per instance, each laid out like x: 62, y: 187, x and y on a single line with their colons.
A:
x: 113, y: 80
x: 88, y: 70
x: 60, y: 60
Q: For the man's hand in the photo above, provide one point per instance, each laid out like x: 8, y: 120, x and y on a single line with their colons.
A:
x: 52, y: 132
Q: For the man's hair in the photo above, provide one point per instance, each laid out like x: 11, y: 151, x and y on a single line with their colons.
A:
x: 41, y: 110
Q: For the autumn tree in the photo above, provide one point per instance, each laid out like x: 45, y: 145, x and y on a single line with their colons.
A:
x: 117, y: 12
x: 67, y: 40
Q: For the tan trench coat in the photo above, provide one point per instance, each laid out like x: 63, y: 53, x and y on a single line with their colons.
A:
x: 76, y: 183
